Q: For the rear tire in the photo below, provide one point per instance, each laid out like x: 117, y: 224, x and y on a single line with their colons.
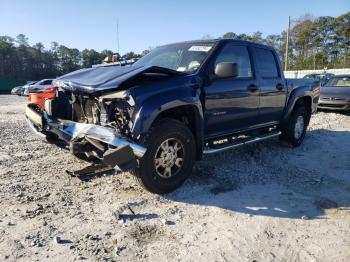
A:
x: 169, y: 158
x: 294, y: 131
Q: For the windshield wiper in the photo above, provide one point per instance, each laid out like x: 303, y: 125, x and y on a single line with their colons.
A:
x: 165, y: 70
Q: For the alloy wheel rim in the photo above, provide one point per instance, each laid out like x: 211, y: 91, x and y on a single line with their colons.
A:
x: 168, y: 159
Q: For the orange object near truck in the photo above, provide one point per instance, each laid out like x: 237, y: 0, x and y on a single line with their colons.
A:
x: 39, y: 96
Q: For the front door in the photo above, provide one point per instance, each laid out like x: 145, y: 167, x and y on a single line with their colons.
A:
x: 232, y: 104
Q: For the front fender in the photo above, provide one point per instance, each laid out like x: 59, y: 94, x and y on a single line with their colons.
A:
x: 160, y: 102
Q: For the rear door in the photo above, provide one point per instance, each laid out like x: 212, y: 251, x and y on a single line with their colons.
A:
x: 273, y: 92
x: 232, y: 104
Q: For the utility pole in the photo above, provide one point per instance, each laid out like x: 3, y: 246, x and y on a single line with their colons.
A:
x: 314, y: 60
x: 118, y: 35
x: 287, y: 47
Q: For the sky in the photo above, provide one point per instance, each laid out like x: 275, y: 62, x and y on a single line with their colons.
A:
x: 150, y: 23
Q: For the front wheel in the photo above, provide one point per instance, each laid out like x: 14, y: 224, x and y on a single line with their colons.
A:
x: 169, y: 158
x: 295, y: 130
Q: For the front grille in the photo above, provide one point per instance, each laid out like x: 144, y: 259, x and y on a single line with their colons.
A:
x: 333, y: 99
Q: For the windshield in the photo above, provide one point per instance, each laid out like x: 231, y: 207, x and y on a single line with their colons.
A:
x: 185, y: 57
x: 339, y: 81
x: 317, y: 77
x: 320, y: 77
x: 309, y: 77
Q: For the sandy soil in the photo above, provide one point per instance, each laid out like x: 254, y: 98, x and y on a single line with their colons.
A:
x: 263, y: 202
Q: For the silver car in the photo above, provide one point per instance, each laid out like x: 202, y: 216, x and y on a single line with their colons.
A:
x: 36, y: 85
x: 335, y: 94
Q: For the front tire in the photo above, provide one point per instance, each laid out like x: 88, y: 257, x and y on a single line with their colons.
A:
x: 295, y: 130
x: 169, y: 158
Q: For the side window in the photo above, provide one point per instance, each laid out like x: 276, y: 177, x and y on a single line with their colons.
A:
x: 266, y: 63
x: 236, y: 54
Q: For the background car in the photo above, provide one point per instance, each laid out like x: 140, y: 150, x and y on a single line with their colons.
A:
x: 37, y: 85
x: 323, y: 78
x: 335, y: 94
x: 18, y: 90
x: 26, y: 87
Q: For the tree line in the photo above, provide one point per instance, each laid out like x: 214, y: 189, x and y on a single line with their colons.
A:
x: 19, y: 60
x: 314, y: 43
x: 322, y: 42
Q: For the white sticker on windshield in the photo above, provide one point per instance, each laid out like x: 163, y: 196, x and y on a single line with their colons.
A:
x: 199, y: 48
x: 181, y: 69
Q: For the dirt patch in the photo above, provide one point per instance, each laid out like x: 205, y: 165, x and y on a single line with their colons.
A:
x: 145, y: 234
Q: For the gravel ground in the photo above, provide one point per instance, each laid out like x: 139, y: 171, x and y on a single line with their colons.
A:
x: 263, y: 202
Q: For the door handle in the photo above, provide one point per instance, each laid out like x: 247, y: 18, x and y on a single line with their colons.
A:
x: 279, y: 86
x: 253, y: 88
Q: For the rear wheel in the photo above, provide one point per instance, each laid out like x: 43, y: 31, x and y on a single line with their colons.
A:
x: 169, y: 158
x: 295, y: 130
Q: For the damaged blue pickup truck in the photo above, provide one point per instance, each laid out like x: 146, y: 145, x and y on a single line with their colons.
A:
x: 180, y: 101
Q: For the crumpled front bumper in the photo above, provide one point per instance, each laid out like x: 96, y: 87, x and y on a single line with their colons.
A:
x: 115, y: 150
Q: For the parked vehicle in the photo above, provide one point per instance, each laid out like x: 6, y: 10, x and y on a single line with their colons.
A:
x: 26, y: 87
x: 335, y: 94
x: 175, y: 104
x: 37, y: 86
x: 323, y: 78
x: 18, y: 90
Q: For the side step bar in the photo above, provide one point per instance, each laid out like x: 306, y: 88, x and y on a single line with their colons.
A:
x: 251, y: 140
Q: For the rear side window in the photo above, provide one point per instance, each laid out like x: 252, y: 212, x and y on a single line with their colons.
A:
x: 236, y: 54
x: 266, y: 63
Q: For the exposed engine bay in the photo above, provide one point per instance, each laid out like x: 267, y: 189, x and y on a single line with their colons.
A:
x: 114, y: 110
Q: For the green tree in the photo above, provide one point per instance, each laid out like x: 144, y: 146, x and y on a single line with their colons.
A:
x: 257, y: 37
x: 342, y: 30
x: 90, y: 57
x: 106, y: 53
x: 22, y: 40
x: 70, y: 59
x: 229, y: 35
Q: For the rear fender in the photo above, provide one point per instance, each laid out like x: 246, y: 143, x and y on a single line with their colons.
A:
x: 295, y: 95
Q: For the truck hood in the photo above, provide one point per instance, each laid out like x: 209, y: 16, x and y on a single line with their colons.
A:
x: 335, y: 91
x: 99, y: 79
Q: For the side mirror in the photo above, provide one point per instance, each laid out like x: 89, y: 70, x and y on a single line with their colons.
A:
x: 226, y: 70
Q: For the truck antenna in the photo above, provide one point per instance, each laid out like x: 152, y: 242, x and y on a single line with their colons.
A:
x: 118, y: 35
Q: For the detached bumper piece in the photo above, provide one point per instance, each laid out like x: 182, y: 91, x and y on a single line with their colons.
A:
x: 88, y: 172
x: 93, y: 141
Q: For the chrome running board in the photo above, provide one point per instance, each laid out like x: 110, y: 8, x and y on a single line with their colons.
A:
x: 211, y: 150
